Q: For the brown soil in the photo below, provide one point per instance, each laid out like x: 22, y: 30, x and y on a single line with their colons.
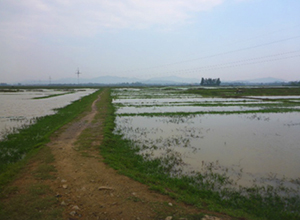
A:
x: 87, y: 188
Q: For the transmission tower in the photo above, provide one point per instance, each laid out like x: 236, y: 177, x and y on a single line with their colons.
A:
x: 78, y: 72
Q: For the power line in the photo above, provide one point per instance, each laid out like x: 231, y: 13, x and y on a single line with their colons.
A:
x: 242, y: 49
x: 214, y: 55
x: 266, y: 34
x: 240, y: 62
x: 246, y: 60
x: 256, y: 62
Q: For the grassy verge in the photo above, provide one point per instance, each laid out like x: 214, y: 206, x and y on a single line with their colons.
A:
x: 54, y: 95
x: 16, y: 148
x: 244, y: 91
x: 33, y: 200
x: 266, y: 110
x: 198, y: 190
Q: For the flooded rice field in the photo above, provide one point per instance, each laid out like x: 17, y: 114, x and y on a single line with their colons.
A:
x: 21, y: 107
x: 167, y: 109
x: 188, y: 136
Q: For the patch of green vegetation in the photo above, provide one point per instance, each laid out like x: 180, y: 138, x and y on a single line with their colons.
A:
x: 44, y: 171
x: 10, y: 90
x: 93, y: 133
x: 54, y: 95
x: 16, y: 148
x: 37, y: 203
x: 34, y: 201
x: 84, y: 141
x: 134, y: 199
x: 245, y: 91
x: 264, y: 110
x: 198, y: 190
x: 9, y: 190
x: 244, y: 103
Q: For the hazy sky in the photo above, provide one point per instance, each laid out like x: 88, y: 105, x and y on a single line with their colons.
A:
x: 230, y: 39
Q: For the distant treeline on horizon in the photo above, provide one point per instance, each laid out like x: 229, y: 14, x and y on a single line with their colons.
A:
x: 136, y: 84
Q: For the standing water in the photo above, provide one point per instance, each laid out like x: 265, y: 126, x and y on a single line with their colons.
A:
x: 21, y: 108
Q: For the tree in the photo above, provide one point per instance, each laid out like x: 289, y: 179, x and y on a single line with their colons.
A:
x: 202, y: 81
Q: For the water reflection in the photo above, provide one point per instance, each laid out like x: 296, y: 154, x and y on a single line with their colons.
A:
x: 252, y: 148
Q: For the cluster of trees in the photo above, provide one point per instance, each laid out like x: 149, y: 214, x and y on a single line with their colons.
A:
x: 210, y: 82
x: 294, y: 83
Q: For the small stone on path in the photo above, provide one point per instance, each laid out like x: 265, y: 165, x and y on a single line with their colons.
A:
x: 75, y: 207
x: 105, y: 188
x: 207, y: 217
x: 73, y: 213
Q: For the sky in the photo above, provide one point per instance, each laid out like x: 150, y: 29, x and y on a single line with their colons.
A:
x: 227, y: 39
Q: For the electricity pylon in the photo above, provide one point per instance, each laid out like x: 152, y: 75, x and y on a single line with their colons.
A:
x: 78, y: 75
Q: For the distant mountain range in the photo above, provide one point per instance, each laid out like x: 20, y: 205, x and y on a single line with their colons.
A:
x: 170, y: 80
x: 261, y: 80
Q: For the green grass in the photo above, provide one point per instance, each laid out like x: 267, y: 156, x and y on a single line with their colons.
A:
x: 195, y: 190
x: 35, y: 204
x: 10, y: 90
x: 54, y: 95
x: 264, y: 110
x: 93, y: 134
x: 44, y: 171
x: 35, y: 201
x: 244, y: 91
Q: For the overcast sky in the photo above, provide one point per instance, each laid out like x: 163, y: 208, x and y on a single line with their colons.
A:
x: 230, y: 39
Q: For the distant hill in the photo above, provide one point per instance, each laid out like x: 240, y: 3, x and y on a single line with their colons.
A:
x: 265, y: 80
x: 171, y: 80
x: 268, y: 80
x: 111, y: 80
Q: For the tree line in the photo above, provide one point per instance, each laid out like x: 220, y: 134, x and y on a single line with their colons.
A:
x: 210, y: 82
x: 294, y: 83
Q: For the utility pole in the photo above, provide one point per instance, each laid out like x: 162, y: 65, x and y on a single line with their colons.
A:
x: 78, y: 75
x: 49, y: 80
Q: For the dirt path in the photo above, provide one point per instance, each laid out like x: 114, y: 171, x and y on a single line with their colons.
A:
x: 88, y: 189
